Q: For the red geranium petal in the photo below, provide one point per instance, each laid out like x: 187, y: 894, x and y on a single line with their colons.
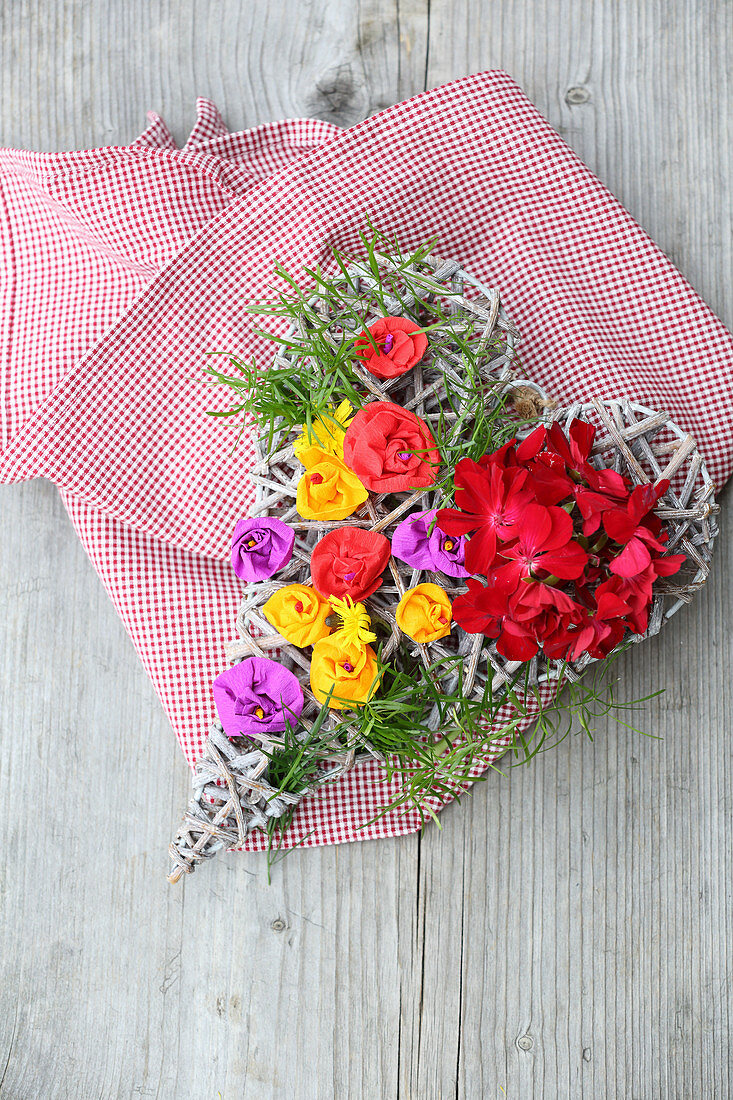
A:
x: 505, y: 456
x: 561, y: 531
x: 567, y: 563
x: 531, y: 446
x: 550, y: 486
x: 581, y: 641
x: 473, y: 486
x: 592, y: 505
x: 481, y: 550
x: 610, y: 606
x: 515, y: 643
x: 536, y: 527
x: 582, y: 434
x: 557, y: 442
x: 453, y: 522
x: 633, y: 559
x: 479, y: 610
x: 667, y: 567
x: 607, y: 481
x: 619, y: 525
x: 506, y: 577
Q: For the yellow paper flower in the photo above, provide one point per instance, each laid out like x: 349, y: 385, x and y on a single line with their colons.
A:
x: 350, y: 670
x: 355, y: 621
x: 328, y: 489
x: 298, y: 613
x: 424, y: 613
x: 327, y: 432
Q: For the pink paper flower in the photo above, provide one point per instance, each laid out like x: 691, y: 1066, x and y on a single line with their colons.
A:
x: 260, y: 547
x: 414, y: 543
x: 257, y: 696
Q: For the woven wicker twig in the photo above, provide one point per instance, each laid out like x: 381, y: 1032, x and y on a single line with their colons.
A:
x: 231, y: 796
x: 647, y: 446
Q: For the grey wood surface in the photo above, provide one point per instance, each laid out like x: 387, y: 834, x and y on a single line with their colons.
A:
x: 569, y: 932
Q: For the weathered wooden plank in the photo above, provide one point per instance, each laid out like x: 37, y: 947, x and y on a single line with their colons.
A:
x: 123, y: 986
x: 612, y: 975
x: 568, y: 932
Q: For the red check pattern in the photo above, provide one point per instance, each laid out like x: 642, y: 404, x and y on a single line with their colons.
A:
x: 123, y: 267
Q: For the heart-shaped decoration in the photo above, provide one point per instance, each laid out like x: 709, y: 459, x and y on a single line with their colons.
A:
x: 234, y: 791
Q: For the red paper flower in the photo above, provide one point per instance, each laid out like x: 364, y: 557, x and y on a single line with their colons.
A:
x: 349, y: 562
x: 399, y: 345
x: 390, y: 449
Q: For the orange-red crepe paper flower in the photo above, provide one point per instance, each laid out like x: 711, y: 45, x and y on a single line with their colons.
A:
x: 390, y: 449
x: 399, y: 345
x: 349, y: 562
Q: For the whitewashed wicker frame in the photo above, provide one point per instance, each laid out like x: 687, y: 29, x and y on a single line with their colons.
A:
x: 231, y: 792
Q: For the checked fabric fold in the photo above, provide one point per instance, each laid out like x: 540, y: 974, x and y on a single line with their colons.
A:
x: 123, y: 267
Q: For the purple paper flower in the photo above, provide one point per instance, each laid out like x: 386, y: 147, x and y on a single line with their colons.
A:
x: 413, y: 543
x: 257, y: 696
x: 260, y: 547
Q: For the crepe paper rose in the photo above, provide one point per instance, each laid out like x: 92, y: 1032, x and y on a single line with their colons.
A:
x: 327, y: 490
x: 326, y: 431
x: 298, y: 613
x: 260, y: 547
x: 355, y: 621
x: 390, y: 449
x: 419, y: 542
x: 257, y: 697
x: 349, y: 562
x: 400, y: 344
x: 424, y: 613
x: 349, y: 671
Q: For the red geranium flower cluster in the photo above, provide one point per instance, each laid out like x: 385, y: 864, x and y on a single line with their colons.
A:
x: 570, y: 553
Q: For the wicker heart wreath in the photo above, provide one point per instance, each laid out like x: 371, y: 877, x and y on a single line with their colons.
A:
x: 402, y: 457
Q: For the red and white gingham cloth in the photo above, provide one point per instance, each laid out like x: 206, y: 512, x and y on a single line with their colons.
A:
x: 124, y: 267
